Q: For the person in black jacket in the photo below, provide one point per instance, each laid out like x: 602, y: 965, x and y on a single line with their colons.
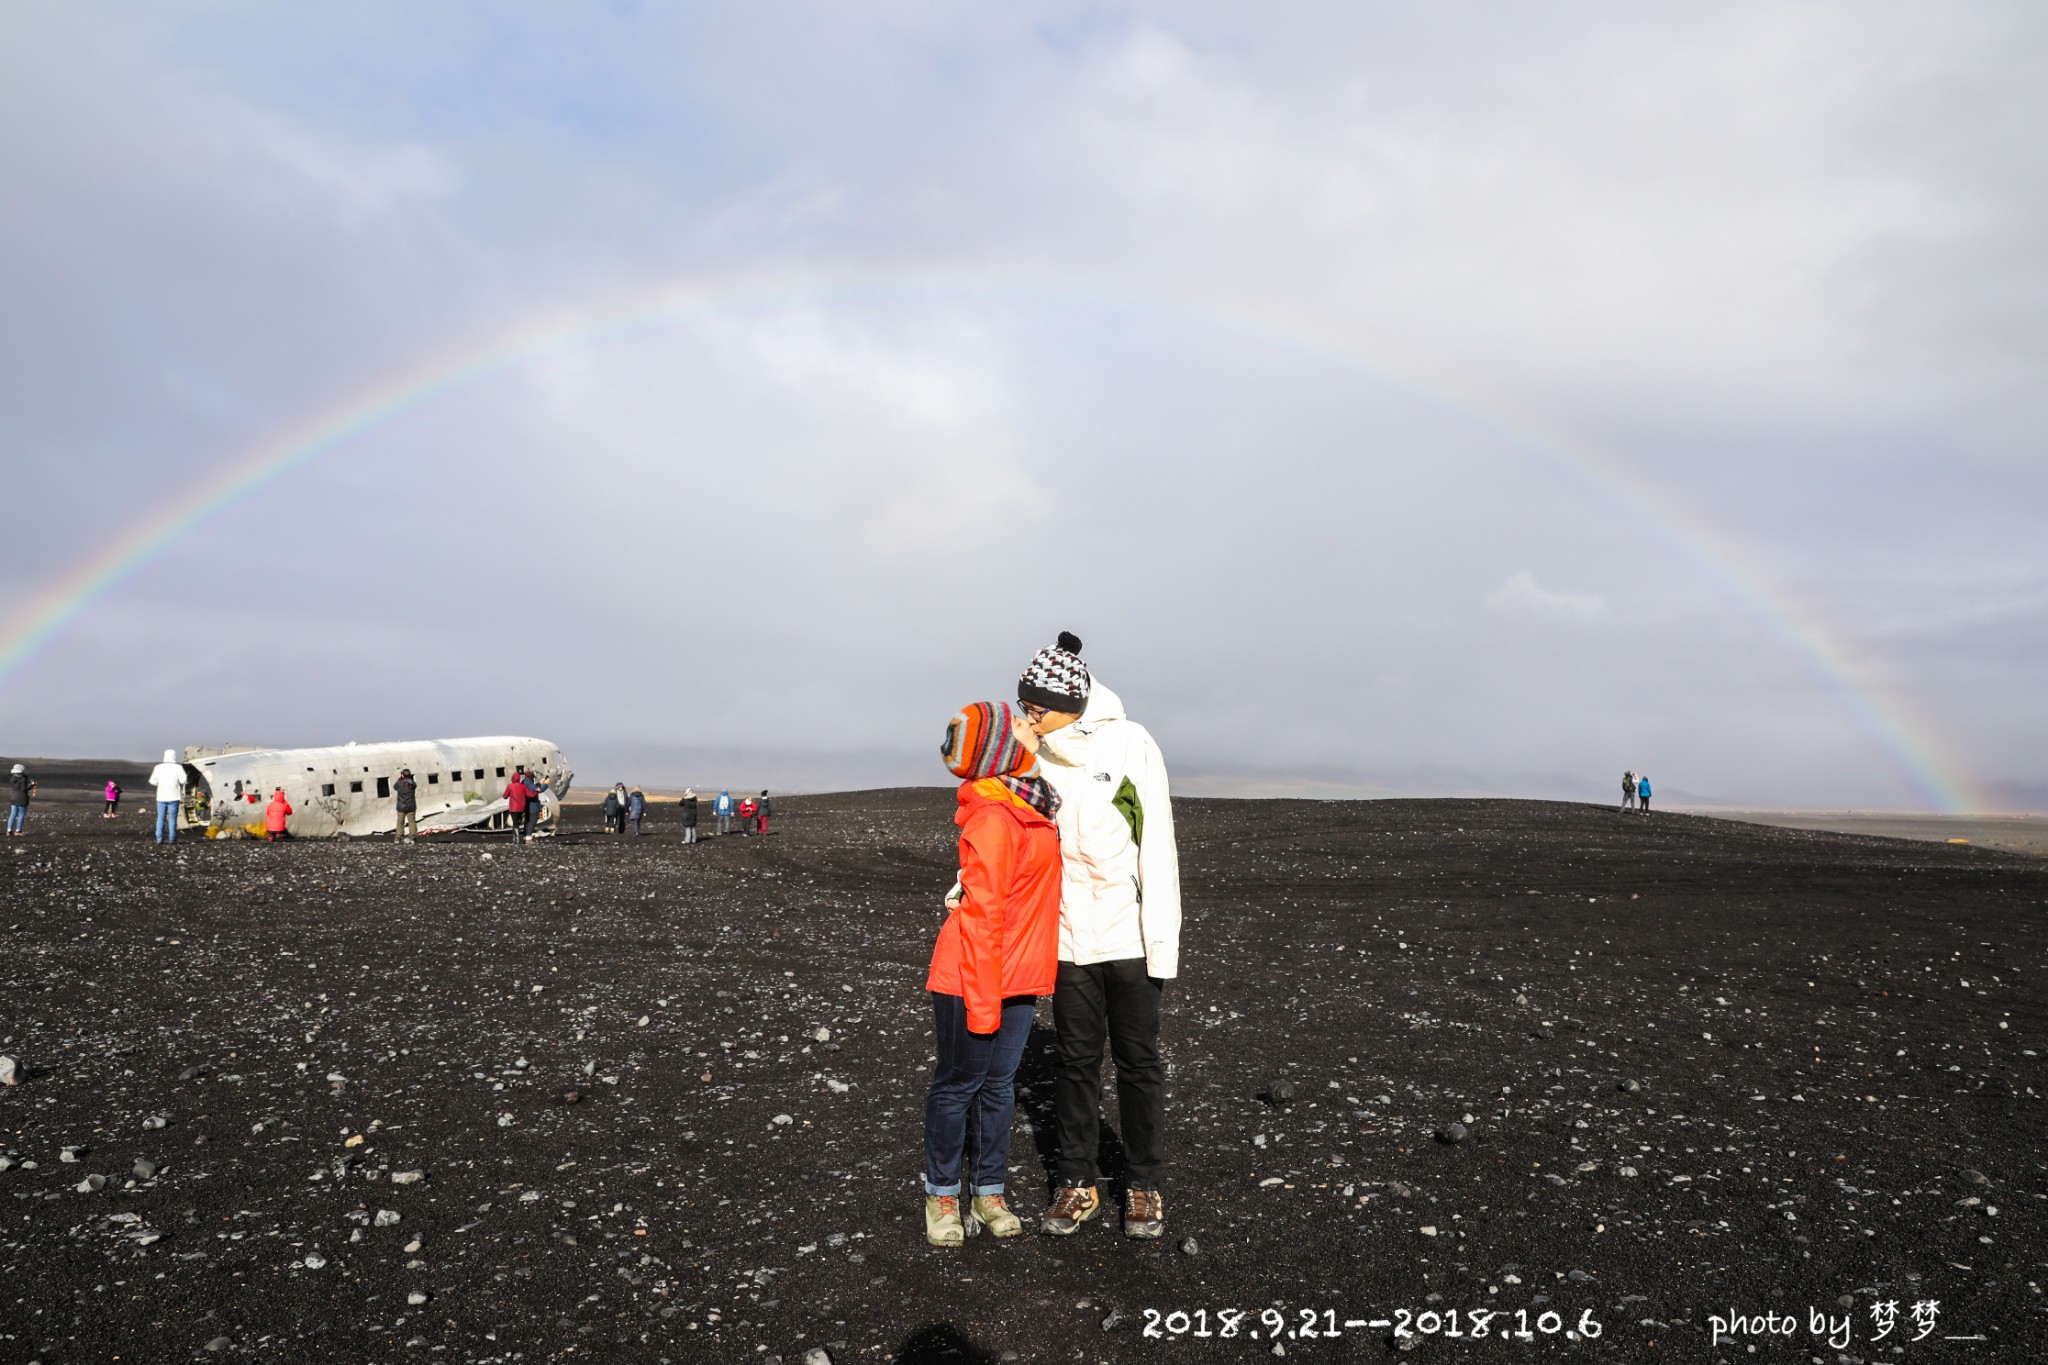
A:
x: 689, y: 805
x: 20, y: 788
x: 407, y: 792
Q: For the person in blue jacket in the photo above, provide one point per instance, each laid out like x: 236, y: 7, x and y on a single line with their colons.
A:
x: 722, y: 808
x: 1643, y: 793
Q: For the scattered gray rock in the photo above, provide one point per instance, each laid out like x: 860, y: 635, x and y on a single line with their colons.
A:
x: 1115, y: 1318
x: 10, y: 1071
x: 1452, y: 1133
x: 1630, y: 1087
x: 92, y: 1184
x: 817, y: 1355
x: 145, y: 1169
x: 69, y: 1154
x: 407, y: 1177
x: 416, y: 1297
x: 219, y: 1344
x: 1280, y: 1091
x: 387, y: 1218
x: 1190, y: 1247
x: 314, y: 1261
x: 1977, y: 1177
x: 154, y: 1122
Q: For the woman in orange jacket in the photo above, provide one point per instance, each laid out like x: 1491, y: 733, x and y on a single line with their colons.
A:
x: 998, y: 951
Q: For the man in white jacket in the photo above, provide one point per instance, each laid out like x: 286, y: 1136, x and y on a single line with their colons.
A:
x: 1119, y: 931
x: 168, y: 777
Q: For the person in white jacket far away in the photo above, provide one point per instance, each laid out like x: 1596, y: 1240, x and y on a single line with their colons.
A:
x: 168, y: 777
x: 1119, y: 931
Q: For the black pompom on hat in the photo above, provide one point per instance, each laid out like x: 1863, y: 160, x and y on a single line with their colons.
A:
x: 1056, y: 677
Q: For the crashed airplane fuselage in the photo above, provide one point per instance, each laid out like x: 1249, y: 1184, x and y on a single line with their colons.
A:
x: 348, y: 788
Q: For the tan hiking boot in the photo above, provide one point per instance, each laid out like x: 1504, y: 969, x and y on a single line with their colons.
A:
x: 942, y: 1227
x: 1071, y: 1207
x: 1144, y: 1214
x: 995, y: 1214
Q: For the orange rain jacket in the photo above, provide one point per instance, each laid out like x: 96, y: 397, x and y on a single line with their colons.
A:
x: 1003, y: 939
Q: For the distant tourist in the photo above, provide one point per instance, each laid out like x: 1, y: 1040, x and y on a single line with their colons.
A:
x: 517, y: 794
x: 275, y: 815
x: 689, y: 805
x: 1628, y: 791
x: 761, y: 814
x: 722, y: 808
x: 168, y: 777
x: 1643, y: 793
x: 746, y: 814
x: 997, y: 952
x: 20, y: 790
x: 636, y: 808
x: 610, y: 811
x: 535, y: 784
x: 1119, y: 931
x: 113, y: 800
x: 406, y: 790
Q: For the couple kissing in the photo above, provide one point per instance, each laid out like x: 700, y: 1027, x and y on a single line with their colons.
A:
x: 1069, y: 887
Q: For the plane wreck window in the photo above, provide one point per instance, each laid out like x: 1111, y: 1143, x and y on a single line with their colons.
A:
x: 327, y: 789
x: 479, y: 774
x: 501, y: 772
x: 433, y: 779
x: 355, y: 786
x: 383, y: 787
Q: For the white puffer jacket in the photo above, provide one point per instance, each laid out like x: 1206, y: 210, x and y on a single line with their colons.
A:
x: 168, y: 777
x: 1120, y: 896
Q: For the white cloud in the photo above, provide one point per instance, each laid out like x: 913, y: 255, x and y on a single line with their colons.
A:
x: 1521, y: 592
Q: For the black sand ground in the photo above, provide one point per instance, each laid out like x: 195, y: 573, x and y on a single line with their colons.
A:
x: 1834, y: 1039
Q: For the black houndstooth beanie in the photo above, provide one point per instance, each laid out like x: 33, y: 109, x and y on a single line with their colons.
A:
x: 1056, y: 678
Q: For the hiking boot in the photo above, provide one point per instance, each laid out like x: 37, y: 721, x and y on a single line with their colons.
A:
x: 1071, y: 1207
x: 942, y: 1226
x: 995, y: 1214
x: 1144, y: 1214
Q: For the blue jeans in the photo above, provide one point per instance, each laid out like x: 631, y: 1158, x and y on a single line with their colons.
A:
x: 17, y: 818
x: 167, y: 822
x: 976, y: 1072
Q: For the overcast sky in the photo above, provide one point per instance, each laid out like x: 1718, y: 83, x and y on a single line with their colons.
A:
x: 1405, y: 398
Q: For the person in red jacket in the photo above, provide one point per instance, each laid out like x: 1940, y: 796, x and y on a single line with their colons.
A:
x: 517, y: 794
x: 275, y: 815
x: 997, y: 952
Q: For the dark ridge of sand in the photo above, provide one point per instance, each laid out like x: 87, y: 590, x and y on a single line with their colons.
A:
x: 1835, y: 1040
x: 83, y: 779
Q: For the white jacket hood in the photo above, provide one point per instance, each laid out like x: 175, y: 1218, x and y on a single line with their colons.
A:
x: 170, y: 755
x: 1103, y: 706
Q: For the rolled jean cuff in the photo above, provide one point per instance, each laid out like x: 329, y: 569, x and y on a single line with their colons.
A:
x: 947, y: 1191
x: 980, y: 1190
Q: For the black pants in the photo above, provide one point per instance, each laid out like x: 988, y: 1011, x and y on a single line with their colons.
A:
x: 1116, y: 1002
